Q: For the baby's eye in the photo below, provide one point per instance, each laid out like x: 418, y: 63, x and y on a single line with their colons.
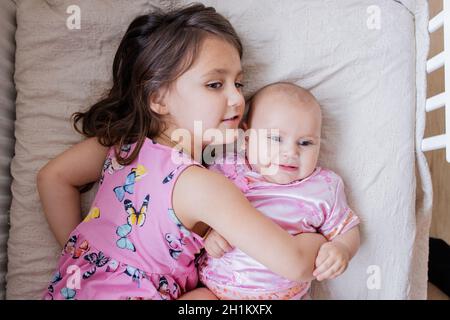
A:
x: 215, y: 85
x: 305, y: 143
x: 239, y: 85
x: 275, y: 138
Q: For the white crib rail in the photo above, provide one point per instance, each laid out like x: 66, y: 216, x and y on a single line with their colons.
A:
x: 442, y: 19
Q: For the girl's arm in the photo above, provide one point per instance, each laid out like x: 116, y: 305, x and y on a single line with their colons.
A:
x: 310, y: 244
x: 202, y: 195
x: 59, y: 180
x: 216, y: 246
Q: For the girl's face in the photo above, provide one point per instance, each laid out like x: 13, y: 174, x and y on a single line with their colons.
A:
x: 208, y: 95
x: 292, y: 153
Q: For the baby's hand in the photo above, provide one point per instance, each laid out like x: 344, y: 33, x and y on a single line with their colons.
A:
x: 331, y: 261
x: 216, y: 245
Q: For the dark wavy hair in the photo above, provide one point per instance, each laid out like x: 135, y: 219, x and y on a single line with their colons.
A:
x: 156, y: 49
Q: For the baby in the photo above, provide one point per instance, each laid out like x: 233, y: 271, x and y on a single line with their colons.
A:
x: 298, y: 195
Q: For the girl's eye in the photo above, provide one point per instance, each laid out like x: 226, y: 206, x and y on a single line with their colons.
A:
x: 239, y: 85
x: 305, y: 143
x: 215, y: 85
x: 275, y: 138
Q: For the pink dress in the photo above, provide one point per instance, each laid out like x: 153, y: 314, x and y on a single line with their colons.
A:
x: 131, y: 245
x: 314, y: 204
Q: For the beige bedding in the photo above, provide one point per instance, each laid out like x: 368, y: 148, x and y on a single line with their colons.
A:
x: 7, y: 110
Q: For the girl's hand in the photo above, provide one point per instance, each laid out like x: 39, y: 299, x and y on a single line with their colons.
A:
x: 216, y: 245
x: 332, y: 260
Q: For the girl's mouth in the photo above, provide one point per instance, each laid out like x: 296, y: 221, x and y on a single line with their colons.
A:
x: 231, y: 120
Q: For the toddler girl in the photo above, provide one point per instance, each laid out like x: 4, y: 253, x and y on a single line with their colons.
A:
x: 286, y: 184
x: 155, y: 201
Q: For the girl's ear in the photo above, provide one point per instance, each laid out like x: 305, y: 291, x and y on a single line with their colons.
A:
x: 157, y: 104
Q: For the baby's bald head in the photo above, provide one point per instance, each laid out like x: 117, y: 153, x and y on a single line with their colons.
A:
x: 283, y: 92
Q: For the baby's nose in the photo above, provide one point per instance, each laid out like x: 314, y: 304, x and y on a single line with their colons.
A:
x: 289, y: 152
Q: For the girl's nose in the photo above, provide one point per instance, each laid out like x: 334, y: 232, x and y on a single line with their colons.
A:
x: 235, y: 97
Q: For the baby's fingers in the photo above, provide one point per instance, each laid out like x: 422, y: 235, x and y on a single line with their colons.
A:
x: 323, y: 267
x: 322, y: 256
x: 328, y: 273
x: 339, y: 272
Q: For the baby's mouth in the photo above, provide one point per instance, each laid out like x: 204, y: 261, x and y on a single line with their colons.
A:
x: 288, y: 167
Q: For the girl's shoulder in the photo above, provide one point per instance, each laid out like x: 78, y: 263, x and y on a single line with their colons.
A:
x: 199, y: 192
x: 199, y: 184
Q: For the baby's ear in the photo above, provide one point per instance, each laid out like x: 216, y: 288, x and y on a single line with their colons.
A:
x: 157, y: 104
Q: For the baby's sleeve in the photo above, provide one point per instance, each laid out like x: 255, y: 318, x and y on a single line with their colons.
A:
x: 341, y: 217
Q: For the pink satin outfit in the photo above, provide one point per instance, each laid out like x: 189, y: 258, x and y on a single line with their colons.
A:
x: 131, y: 245
x: 314, y: 204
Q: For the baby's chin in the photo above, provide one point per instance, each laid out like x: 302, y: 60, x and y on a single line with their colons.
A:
x: 280, y: 177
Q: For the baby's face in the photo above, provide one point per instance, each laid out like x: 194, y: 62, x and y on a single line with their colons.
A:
x: 292, y: 153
